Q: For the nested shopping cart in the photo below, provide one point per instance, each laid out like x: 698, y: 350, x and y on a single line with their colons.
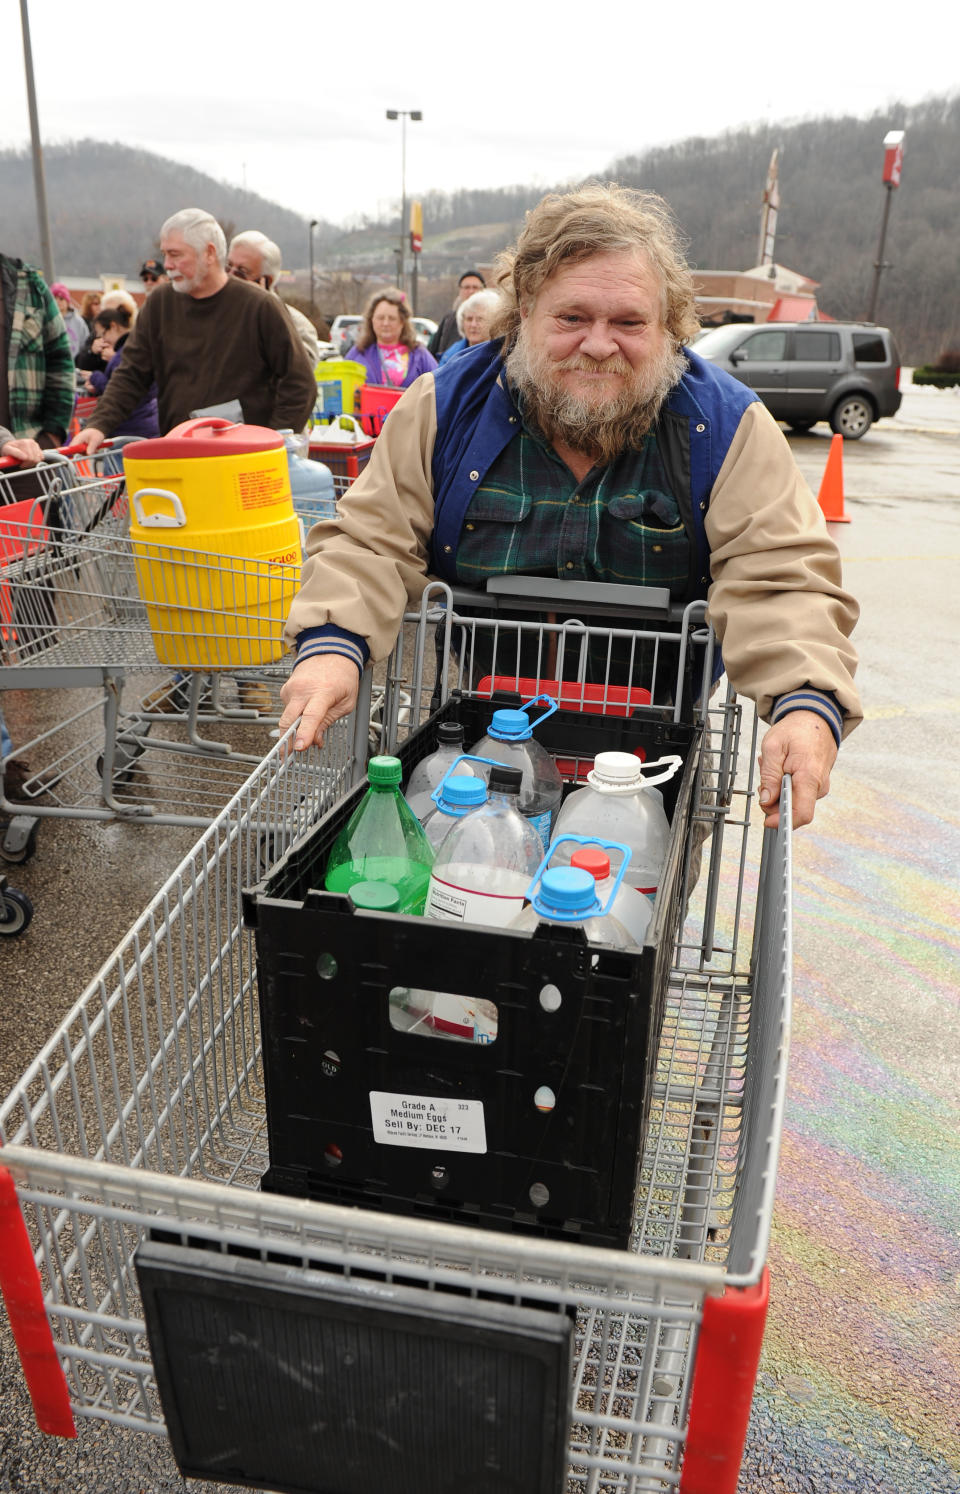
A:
x: 153, y: 1282
x: 88, y: 608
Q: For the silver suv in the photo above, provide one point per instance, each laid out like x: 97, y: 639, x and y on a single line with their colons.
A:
x: 844, y: 372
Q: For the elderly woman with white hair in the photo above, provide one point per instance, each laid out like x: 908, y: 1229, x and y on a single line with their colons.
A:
x: 474, y: 320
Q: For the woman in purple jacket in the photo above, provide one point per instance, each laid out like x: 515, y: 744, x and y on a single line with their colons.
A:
x: 387, y: 345
x: 111, y: 330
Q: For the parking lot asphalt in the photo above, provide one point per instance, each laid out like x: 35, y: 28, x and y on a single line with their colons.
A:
x: 861, y: 1361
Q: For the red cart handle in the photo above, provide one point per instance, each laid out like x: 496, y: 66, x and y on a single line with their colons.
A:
x: 728, y: 1354
x: 23, y: 1294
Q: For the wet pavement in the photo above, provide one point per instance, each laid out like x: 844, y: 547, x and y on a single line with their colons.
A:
x: 861, y: 1361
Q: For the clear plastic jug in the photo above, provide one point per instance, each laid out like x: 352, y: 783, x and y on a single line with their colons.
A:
x: 427, y: 775
x: 311, y: 483
x: 629, y: 906
x: 484, y: 866
x: 510, y: 740
x: 455, y: 797
x: 568, y: 895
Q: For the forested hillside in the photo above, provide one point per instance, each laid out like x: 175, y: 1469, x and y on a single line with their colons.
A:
x: 831, y: 210
x: 107, y: 202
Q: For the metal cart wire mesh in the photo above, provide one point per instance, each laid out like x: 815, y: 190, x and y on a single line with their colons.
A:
x: 143, y: 1121
x: 87, y: 608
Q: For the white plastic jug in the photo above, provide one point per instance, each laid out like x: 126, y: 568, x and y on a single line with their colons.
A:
x: 616, y: 804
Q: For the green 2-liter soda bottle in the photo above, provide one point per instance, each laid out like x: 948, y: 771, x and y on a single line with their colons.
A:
x: 382, y: 841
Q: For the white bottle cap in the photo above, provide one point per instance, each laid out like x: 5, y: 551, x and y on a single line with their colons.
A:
x: 622, y: 772
x: 618, y: 769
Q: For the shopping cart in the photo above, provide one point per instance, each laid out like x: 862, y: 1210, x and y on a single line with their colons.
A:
x: 87, y: 609
x: 301, y: 1345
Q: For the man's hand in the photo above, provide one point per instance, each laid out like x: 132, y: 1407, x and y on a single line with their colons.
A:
x: 321, y: 690
x: 803, y: 745
x: 89, y: 439
x: 22, y: 450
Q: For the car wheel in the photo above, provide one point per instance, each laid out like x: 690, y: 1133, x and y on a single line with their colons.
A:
x: 852, y: 417
x: 801, y: 426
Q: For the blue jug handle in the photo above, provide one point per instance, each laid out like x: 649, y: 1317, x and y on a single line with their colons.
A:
x: 584, y: 840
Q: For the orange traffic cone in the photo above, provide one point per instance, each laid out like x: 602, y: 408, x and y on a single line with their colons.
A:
x: 830, y: 496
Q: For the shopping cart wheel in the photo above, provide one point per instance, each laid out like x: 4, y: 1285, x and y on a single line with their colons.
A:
x: 16, y: 910
x: 18, y: 838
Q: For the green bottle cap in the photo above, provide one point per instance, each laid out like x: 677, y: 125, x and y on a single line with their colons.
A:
x: 385, y: 770
x: 380, y: 896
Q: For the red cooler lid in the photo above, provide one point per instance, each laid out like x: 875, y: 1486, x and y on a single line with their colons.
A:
x: 207, y: 436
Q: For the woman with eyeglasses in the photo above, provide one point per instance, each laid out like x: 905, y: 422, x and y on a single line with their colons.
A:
x: 387, y: 345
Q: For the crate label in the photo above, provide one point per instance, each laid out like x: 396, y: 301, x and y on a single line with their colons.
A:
x: 428, y: 1122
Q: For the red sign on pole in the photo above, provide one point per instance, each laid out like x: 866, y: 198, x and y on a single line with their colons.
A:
x: 892, y: 157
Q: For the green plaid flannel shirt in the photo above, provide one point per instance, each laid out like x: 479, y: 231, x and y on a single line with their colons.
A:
x: 41, y: 374
x: 530, y: 516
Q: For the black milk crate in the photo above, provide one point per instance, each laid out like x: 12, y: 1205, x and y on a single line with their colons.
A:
x: 326, y: 971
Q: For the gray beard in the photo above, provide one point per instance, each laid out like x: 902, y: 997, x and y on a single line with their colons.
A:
x: 602, y: 430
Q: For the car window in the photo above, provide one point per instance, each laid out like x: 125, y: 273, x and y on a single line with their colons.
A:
x: 716, y: 342
x: 764, y: 346
x: 816, y: 347
x: 869, y: 348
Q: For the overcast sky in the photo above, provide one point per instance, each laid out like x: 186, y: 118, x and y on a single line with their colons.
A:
x: 291, y: 102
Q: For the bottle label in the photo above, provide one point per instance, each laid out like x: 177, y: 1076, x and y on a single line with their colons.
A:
x: 465, y: 905
x: 541, y: 823
x: 428, y: 1122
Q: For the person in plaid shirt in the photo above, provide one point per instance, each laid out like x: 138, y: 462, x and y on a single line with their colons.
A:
x: 37, y: 395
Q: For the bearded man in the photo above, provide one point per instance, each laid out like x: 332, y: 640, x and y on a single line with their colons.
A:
x: 587, y: 441
x: 206, y: 339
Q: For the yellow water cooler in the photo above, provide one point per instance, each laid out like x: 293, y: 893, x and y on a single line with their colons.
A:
x: 216, y: 542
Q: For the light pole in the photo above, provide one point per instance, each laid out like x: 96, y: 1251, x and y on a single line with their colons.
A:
x: 893, y: 147
x: 39, y: 181
x: 313, y: 309
x: 403, y: 115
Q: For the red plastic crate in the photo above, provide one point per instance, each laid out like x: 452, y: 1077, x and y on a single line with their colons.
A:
x: 374, y: 403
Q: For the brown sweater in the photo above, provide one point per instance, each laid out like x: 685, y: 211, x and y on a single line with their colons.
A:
x: 237, y: 344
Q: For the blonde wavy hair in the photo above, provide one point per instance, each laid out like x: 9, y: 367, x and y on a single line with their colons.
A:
x: 565, y: 228
x: 113, y: 298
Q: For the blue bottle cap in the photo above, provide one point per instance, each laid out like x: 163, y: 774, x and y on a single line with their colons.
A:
x: 510, y: 726
x: 460, y: 791
x: 567, y: 893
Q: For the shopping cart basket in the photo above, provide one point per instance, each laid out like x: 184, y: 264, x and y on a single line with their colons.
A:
x: 85, y: 608
x: 294, y: 1344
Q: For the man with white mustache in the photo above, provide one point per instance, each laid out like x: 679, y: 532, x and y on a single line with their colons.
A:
x: 207, y: 339
x: 588, y: 441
